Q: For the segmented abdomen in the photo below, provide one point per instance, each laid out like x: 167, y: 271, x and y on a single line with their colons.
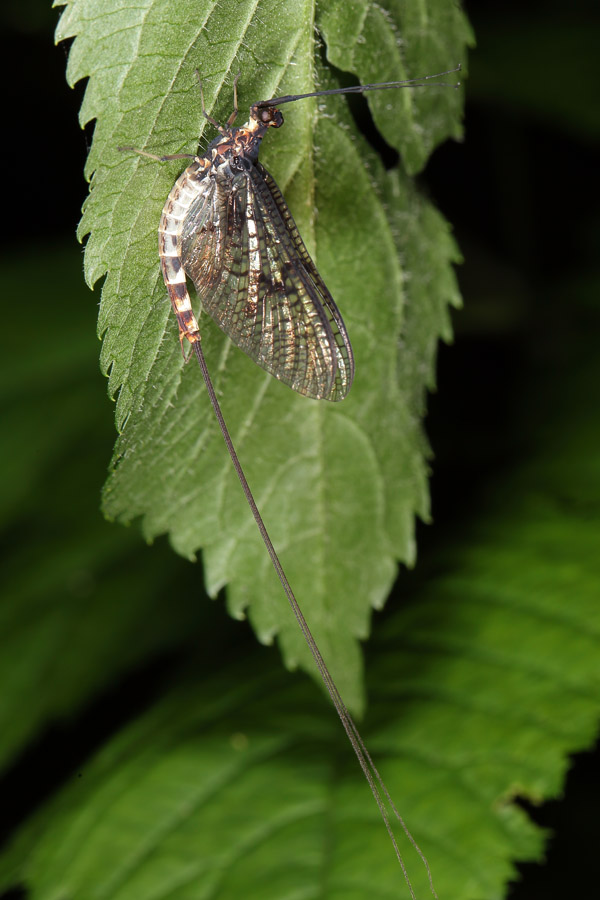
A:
x: 185, y: 192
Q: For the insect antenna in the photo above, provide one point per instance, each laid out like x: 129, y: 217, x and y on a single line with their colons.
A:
x: 423, y: 81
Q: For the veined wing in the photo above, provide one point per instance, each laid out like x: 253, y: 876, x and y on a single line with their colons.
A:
x: 256, y: 279
x: 345, y: 356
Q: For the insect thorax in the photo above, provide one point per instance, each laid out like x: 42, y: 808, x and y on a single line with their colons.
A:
x: 243, y: 143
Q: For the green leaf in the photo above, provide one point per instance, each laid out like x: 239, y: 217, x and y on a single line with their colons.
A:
x: 395, y: 42
x: 338, y: 485
x: 242, y: 784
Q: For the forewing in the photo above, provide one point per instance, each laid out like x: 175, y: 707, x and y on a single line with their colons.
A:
x: 255, y: 278
x: 345, y: 357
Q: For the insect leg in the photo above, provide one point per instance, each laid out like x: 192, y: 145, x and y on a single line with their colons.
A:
x: 233, y: 115
x: 206, y: 115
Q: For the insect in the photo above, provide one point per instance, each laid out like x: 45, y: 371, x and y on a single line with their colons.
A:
x: 227, y: 227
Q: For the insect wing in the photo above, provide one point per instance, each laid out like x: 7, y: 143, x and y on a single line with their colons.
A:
x: 254, y: 276
x: 202, y: 238
x: 344, y: 355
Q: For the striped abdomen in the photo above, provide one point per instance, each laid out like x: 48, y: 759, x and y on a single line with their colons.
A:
x: 187, y: 190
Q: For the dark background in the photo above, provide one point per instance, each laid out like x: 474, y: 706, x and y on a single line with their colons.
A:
x: 520, y: 194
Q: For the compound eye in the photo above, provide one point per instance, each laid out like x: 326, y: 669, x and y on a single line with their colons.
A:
x: 276, y: 119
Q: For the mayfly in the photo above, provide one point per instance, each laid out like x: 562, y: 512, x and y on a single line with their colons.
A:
x: 226, y: 226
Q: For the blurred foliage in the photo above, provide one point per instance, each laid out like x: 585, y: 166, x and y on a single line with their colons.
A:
x: 82, y: 599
